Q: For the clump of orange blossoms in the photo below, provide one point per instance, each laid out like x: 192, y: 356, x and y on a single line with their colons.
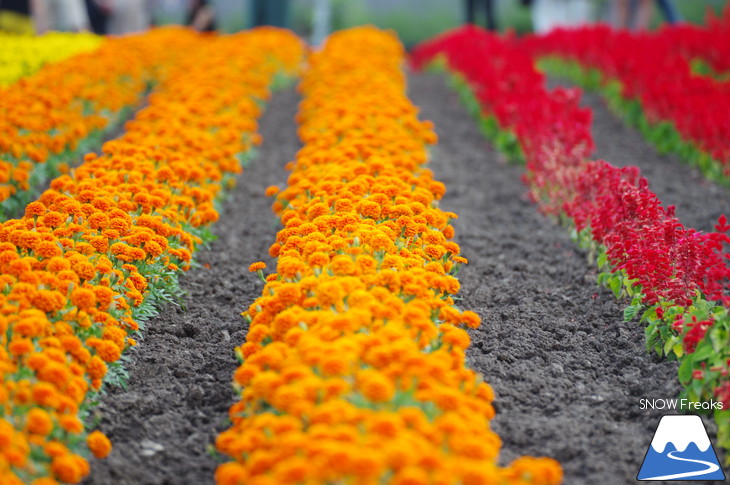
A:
x: 78, y: 269
x: 354, y: 365
x: 51, y: 119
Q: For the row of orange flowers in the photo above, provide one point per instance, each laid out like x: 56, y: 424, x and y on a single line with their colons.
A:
x: 353, y: 370
x: 106, y: 241
x: 50, y: 119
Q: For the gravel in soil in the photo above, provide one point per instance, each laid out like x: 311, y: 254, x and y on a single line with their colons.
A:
x: 567, y: 371
x: 699, y: 202
x: 179, y: 392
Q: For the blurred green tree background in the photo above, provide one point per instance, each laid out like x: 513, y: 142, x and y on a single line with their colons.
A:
x: 416, y: 20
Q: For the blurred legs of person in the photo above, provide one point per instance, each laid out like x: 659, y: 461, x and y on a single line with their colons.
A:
x: 550, y: 14
x: 321, y: 21
x: 488, y: 5
x: 201, y: 16
x: 643, y: 15
x: 68, y: 15
x: 270, y: 12
x: 669, y: 11
x: 97, y: 16
x: 126, y: 16
x: 641, y: 10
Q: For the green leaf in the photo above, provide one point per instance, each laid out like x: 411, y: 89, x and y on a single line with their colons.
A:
x: 615, y: 285
x: 678, y: 350
x: 669, y: 345
x: 631, y: 311
x: 685, y: 371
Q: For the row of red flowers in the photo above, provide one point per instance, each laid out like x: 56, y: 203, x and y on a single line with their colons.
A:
x: 655, y: 70
x: 709, y: 43
x: 675, y: 274
x: 105, y: 243
x: 354, y: 364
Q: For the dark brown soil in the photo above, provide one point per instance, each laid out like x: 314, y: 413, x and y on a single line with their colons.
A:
x: 180, y: 390
x: 567, y: 371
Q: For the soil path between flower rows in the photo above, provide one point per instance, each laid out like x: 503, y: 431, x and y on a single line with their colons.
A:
x: 568, y: 373
x: 699, y: 202
x: 179, y: 392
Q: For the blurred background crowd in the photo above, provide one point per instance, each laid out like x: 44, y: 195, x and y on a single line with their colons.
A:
x: 414, y: 20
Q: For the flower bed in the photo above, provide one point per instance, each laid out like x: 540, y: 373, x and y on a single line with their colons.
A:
x: 22, y: 56
x: 353, y: 369
x: 75, y: 103
x: 649, y: 78
x: 675, y: 277
x: 104, y: 245
x: 709, y: 43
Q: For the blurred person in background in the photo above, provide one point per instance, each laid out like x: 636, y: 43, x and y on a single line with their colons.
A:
x: 97, y: 12
x: 488, y: 6
x: 669, y: 10
x: 270, y: 12
x: 126, y: 16
x: 67, y: 15
x: 637, y: 13
x: 24, y: 17
x: 321, y: 21
x: 550, y: 14
x: 201, y: 16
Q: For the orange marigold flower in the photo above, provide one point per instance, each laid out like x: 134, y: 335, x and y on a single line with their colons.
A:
x: 108, y: 351
x: 53, y: 219
x: 434, y: 251
x: 21, y: 346
x: 55, y: 373
x: 44, y: 394
x: 85, y: 270
x: 318, y: 259
x: 274, y: 250
x: 455, y: 336
x: 35, y: 209
x: 71, y: 423
x: 49, y: 300
x: 258, y: 266
x: 98, y: 220
x: 375, y: 386
x: 153, y: 248
x: 411, y: 476
x: 231, y: 473
x: 104, y: 296
x: 96, y: 368
x: 83, y: 298
x: 69, y: 468
x: 271, y: 190
x: 470, y: 319
x: 99, y: 444
x: 47, y: 249
x: 38, y: 421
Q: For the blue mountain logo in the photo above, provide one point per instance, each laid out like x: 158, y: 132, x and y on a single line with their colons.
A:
x: 681, y: 450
